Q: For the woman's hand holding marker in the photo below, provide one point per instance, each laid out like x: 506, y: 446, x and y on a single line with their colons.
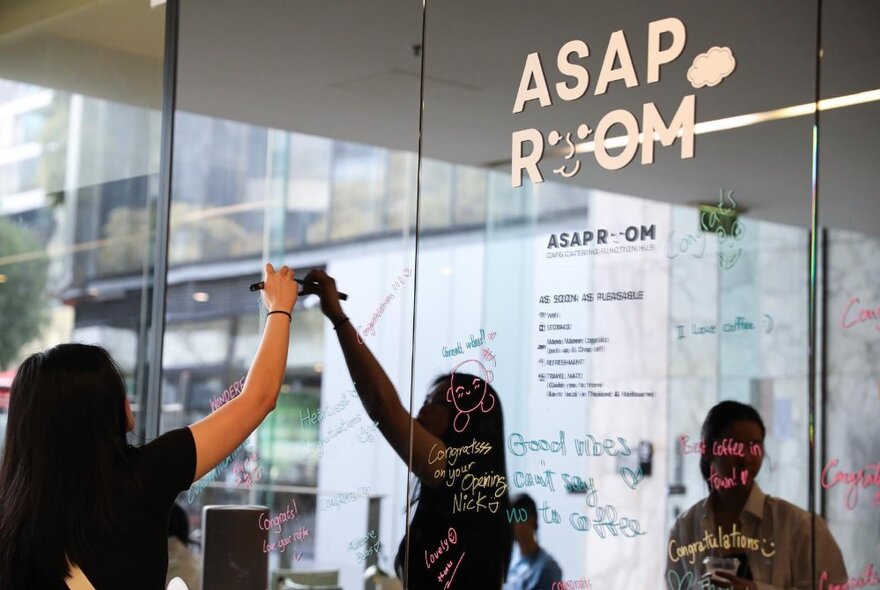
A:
x: 279, y: 290
x: 319, y: 283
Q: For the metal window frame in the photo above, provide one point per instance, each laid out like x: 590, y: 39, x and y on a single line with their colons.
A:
x: 155, y: 290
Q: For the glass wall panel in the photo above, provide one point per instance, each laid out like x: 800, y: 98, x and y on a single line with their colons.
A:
x: 295, y: 143
x: 568, y: 232
x: 80, y: 95
x: 645, y: 256
x: 848, y: 385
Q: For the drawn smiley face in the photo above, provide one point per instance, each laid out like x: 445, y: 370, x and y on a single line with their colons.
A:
x: 469, y: 397
x: 729, y: 251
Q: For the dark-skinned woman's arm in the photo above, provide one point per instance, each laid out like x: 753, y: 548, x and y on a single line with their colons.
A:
x: 375, y: 389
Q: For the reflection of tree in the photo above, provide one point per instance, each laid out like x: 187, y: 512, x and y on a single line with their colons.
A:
x: 198, y: 235
x: 126, y: 235
x: 22, y: 292
x: 53, y: 139
x: 195, y: 235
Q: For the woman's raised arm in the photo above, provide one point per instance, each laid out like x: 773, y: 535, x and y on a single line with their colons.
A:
x: 375, y: 389
x: 222, y: 431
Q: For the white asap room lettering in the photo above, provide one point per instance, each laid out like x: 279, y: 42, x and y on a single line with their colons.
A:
x: 617, y: 66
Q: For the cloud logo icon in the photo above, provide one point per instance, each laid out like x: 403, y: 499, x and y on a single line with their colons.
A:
x: 710, y: 68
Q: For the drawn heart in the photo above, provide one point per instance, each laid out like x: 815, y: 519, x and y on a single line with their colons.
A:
x: 744, y: 476
x: 630, y: 477
x: 679, y: 582
x: 491, y: 335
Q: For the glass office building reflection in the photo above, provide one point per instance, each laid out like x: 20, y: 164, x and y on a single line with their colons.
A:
x: 750, y: 273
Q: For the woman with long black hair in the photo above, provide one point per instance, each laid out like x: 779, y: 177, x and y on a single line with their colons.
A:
x: 459, y: 536
x: 75, y: 498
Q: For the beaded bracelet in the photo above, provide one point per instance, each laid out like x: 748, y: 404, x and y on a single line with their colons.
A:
x: 342, y: 321
x: 289, y: 317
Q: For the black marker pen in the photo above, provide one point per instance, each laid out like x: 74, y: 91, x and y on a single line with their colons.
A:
x: 261, y: 285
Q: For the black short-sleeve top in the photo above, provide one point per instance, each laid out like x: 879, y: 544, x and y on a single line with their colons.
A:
x: 146, y: 487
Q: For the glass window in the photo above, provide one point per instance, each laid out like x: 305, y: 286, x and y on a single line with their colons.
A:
x: 270, y: 183
x: 643, y: 285
x: 848, y: 300
x: 79, y: 122
x: 358, y: 190
x: 643, y: 282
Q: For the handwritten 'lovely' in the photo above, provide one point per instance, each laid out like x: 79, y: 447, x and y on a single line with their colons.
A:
x: 434, y: 556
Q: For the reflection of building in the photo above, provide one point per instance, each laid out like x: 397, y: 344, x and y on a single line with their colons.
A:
x: 23, y: 114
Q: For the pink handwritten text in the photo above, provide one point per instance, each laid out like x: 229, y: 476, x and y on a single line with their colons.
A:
x: 865, y: 477
x: 446, y: 571
x: 396, y: 286
x: 583, y: 583
x: 467, y: 399
x: 228, y: 395
x: 698, y: 447
x: 275, y: 522
x: 721, y: 448
x: 282, y: 543
x: 717, y: 482
x: 858, y: 316
x: 248, y: 471
x: 443, y: 547
x: 868, y: 578
x: 488, y: 356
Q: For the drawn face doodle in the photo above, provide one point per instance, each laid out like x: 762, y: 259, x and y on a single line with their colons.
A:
x: 729, y: 250
x: 470, y: 397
